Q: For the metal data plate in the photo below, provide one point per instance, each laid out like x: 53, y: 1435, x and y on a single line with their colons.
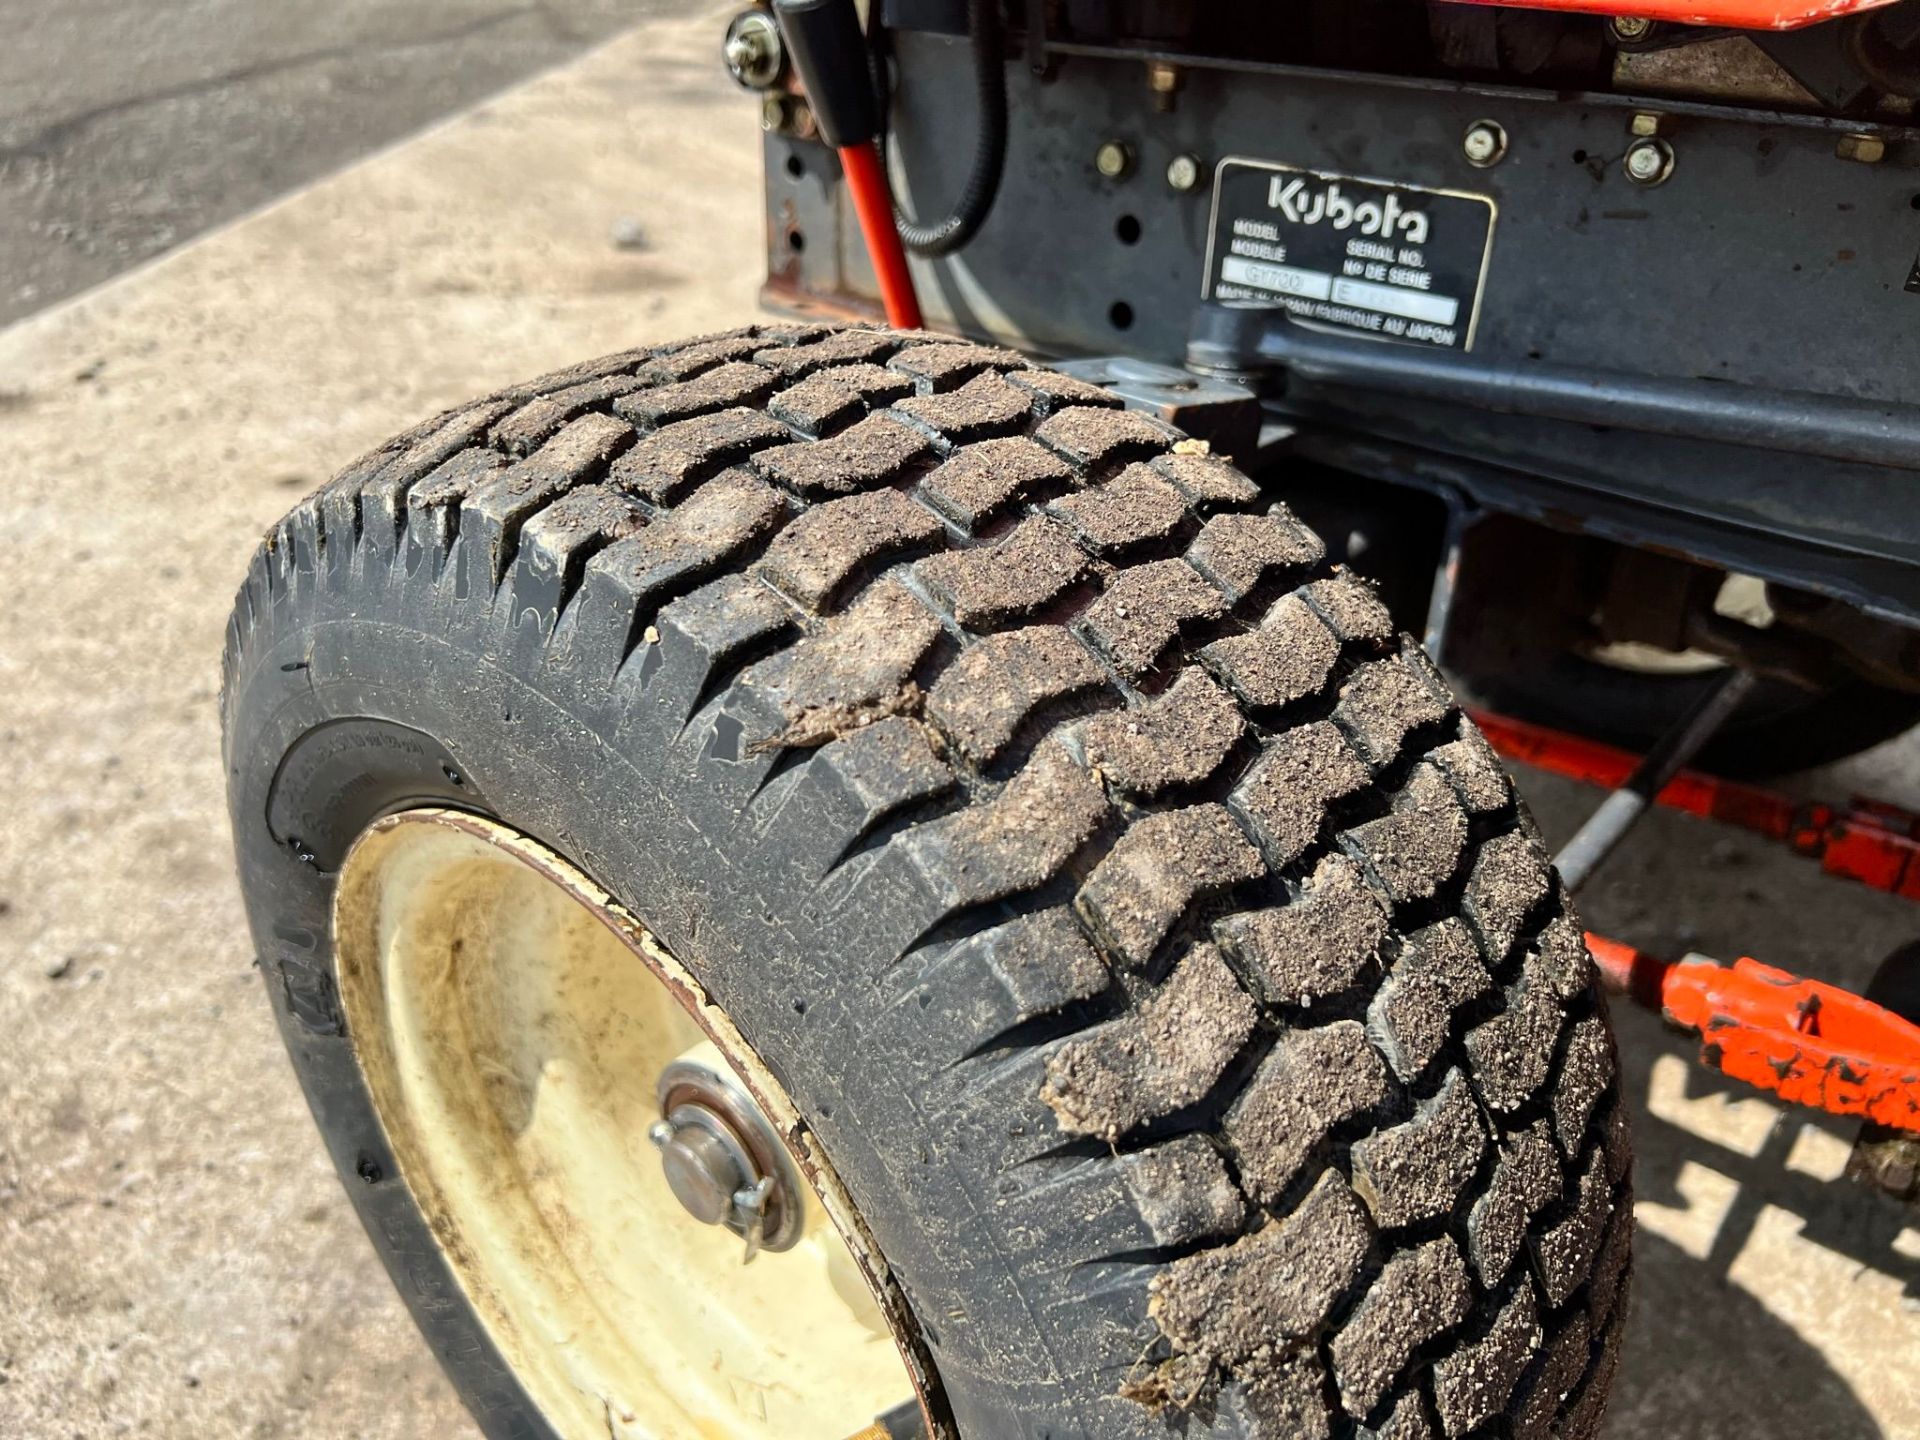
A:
x: 1402, y: 262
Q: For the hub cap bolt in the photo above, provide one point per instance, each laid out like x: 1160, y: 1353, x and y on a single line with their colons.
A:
x: 1649, y: 162
x: 1485, y: 144
x: 712, y: 1175
x: 702, y: 1169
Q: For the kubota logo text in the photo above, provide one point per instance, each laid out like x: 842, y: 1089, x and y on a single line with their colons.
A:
x: 1296, y: 198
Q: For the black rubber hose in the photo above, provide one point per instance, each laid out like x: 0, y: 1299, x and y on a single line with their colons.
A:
x: 945, y: 236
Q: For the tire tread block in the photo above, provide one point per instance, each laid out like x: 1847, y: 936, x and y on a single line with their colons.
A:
x: 985, y: 408
x: 819, y: 555
x: 1133, y: 512
x: 1289, y: 658
x: 1161, y: 1058
x: 834, y: 399
x: 1320, y: 946
x: 856, y: 669
x: 1242, y: 554
x: 1178, y: 740
x: 1012, y: 580
x: 1156, y: 871
x: 1419, y: 1293
x: 1312, y: 1082
x: 1285, y: 796
x: 1145, y: 609
x: 1227, y: 1305
x: 988, y: 695
x: 1526, y: 1179
x: 1417, y: 1171
x: 874, y: 452
x: 981, y: 482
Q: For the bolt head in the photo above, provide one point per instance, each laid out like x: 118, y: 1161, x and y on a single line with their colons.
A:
x: 1649, y: 162
x: 1113, y: 160
x: 701, y: 1169
x: 1183, y: 173
x: 753, y: 51
x: 1863, y: 149
x: 1162, y: 78
x: 1484, y: 144
x: 1630, y: 27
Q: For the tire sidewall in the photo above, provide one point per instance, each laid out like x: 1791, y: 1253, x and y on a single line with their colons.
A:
x: 555, y: 751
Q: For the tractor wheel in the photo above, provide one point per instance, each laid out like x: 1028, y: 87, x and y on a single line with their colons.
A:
x: 861, y: 805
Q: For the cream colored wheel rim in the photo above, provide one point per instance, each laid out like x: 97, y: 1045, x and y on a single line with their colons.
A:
x: 511, y: 1021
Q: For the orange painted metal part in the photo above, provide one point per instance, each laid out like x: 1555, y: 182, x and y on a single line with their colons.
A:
x: 873, y: 206
x: 1809, y: 1043
x: 1871, y: 843
x: 1738, y: 14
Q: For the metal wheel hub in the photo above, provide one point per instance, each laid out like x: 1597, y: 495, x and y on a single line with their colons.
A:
x: 521, y: 1038
x: 722, y: 1159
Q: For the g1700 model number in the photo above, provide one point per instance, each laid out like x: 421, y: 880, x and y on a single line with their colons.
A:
x: 1402, y: 262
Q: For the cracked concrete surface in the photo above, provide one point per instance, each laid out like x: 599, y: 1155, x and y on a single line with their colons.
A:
x: 127, y: 127
x: 176, y: 1257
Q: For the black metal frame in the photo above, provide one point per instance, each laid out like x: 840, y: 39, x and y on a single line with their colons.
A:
x: 1724, y: 366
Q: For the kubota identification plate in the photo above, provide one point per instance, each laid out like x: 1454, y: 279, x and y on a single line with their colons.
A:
x: 1401, y: 262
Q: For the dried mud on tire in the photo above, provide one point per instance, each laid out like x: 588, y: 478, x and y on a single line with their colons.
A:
x: 1164, y: 960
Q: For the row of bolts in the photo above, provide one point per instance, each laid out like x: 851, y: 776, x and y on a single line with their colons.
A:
x: 1648, y: 161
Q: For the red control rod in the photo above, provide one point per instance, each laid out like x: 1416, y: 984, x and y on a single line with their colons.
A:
x: 829, y: 54
x: 873, y: 203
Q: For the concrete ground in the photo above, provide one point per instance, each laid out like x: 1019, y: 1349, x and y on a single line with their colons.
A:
x: 127, y: 128
x: 176, y: 1259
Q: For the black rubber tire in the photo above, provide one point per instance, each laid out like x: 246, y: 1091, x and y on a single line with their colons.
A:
x: 1164, y: 963
x: 1780, y: 730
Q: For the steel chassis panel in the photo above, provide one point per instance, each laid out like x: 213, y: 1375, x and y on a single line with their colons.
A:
x: 1766, y: 260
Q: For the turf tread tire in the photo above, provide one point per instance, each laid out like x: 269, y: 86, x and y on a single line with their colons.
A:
x: 1191, y: 910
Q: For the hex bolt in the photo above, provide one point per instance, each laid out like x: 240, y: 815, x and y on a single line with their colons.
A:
x: 1865, y: 149
x: 753, y: 51
x: 787, y: 115
x: 1649, y: 162
x: 1164, y: 81
x: 1114, y: 159
x: 1485, y: 144
x: 1183, y: 173
x: 1630, y: 27
x: 1645, y: 123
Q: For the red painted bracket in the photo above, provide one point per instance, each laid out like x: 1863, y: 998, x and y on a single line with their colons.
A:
x: 1739, y: 14
x: 1868, y: 841
x: 1810, y: 1044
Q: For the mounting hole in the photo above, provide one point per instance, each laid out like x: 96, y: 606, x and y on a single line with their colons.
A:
x: 1579, y: 157
x: 1127, y: 227
x: 796, y: 167
x: 1120, y: 313
x: 796, y: 241
x: 1914, y: 202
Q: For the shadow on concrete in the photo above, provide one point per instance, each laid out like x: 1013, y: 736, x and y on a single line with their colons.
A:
x: 1705, y: 1360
